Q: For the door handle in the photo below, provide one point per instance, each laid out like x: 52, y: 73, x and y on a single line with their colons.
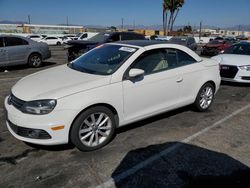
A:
x: 179, y: 80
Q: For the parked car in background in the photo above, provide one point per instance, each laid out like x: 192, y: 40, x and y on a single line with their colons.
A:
x: 65, y: 39
x: 232, y: 40
x: 78, y: 47
x: 185, y: 41
x: 242, y: 37
x: 215, y: 47
x: 218, y: 38
x: 235, y: 63
x: 109, y: 87
x: 158, y: 37
x: 35, y: 37
x: 52, y: 40
x: 17, y: 50
x: 84, y: 36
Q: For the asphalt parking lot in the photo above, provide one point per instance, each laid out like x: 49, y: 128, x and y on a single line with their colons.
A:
x: 181, y: 148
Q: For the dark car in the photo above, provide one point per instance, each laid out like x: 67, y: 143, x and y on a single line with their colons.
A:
x: 17, y: 50
x: 78, y: 47
x: 185, y: 41
x: 214, y: 47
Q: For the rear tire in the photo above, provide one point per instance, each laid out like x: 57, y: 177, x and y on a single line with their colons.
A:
x: 58, y: 43
x: 93, y: 128
x: 35, y: 60
x: 205, y: 97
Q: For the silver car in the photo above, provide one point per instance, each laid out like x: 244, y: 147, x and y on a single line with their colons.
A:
x: 17, y: 50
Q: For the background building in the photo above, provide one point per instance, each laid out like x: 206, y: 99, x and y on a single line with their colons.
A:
x: 40, y: 29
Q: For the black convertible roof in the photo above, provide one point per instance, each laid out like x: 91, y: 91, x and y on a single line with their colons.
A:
x: 141, y: 43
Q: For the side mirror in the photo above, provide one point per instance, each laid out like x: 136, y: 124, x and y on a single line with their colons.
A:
x: 133, y: 73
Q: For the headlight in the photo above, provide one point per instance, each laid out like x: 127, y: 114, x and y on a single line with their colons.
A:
x: 39, y: 107
x: 245, y: 67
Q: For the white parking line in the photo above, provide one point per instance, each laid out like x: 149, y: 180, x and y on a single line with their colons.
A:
x: 111, y: 182
x: 16, y: 78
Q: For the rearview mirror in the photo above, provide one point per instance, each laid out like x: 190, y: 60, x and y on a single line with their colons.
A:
x: 136, y: 73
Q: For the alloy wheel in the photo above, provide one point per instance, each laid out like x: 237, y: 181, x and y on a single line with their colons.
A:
x: 95, y: 129
x: 35, y: 60
x: 206, y: 97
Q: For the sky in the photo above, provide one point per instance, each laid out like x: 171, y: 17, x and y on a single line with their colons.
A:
x: 219, y: 13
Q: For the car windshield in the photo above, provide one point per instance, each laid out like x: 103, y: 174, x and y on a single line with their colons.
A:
x: 79, y: 34
x: 242, y: 49
x: 178, y: 40
x: 100, y: 37
x: 103, y: 60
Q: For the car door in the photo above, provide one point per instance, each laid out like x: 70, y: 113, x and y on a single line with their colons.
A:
x: 84, y: 36
x: 51, y: 40
x: 157, y: 91
x: 3, y: 52
x: 115, y: 37
x: 17, y: 49
x: 191, y: 74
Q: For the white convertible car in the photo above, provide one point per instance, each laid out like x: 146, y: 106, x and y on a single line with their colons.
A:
x: 235, y: 63
x: 110, y: 86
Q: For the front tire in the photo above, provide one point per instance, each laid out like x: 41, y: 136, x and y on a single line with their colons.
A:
x: 35, y: 60
x: 93, y: 128
x: 204, y: 97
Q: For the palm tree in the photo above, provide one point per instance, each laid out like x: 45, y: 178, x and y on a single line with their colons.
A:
x: 172, y: 6
x: 166, y: 8
x: 176, y: 8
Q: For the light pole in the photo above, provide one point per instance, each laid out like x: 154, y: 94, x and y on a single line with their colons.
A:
x: 200, y: 31
x: 122, y: 23
x: 29, y: 19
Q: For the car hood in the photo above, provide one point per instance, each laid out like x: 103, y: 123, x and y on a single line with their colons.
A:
x: 233, y: 59
x: 56, y: 83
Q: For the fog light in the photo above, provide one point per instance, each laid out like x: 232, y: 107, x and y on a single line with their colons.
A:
x: 34, y: 133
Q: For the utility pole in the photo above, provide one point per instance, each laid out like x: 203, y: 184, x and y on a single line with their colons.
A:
x: 134, y: 25
x: 193, y: 29
x: 29, y: 19
x: 122, y: 23
x: 200, y: 31
x: 67, y: 20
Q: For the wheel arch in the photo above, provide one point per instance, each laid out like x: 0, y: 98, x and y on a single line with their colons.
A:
x: 32, y: 53
x: 110, y: 107
x: 211, y: 82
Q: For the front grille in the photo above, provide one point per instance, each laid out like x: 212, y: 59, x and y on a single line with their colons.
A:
x: 227, y: 71
x: 245, y: 78
x: 28, y: 132
x: 16, y: 102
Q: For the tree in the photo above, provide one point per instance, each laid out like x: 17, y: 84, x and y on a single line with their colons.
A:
x: 113, y: 28
x: 187, y: 29
x: 172, y: 7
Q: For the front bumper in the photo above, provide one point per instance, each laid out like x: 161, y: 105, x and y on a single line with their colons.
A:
x: 40, y: 122
x: 235, y: 75
x: 47, y: 55
x: 210, y: 51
